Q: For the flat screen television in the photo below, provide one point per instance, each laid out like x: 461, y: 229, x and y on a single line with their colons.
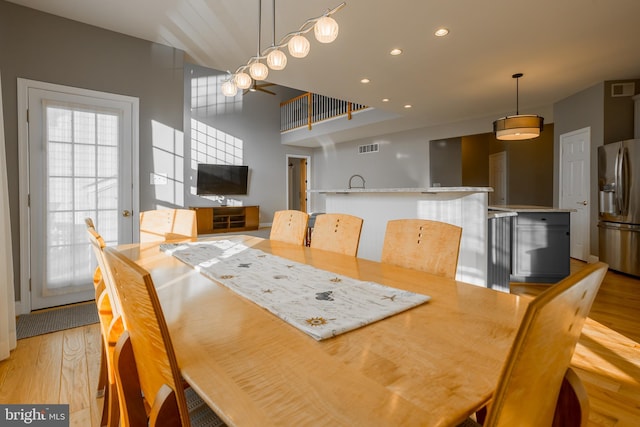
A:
x: 221, y: 180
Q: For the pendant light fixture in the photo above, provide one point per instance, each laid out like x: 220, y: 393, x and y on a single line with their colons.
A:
x: 257, y: 69
x: 325, y: 30
x: 276, y: 59
x: 520, y: 126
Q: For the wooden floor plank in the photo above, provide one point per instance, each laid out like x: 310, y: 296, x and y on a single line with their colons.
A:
x: 21, y: 370
x: 74, y: 382
x: 607, y: 357
x: 93, y: 343
x: 45, y: 387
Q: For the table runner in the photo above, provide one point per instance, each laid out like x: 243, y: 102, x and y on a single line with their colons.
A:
x: 318, y: 302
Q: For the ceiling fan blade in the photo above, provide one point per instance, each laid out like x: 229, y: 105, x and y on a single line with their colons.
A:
x: 265, y: 90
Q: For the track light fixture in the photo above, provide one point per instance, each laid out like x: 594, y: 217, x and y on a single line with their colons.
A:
x: 325, y: 30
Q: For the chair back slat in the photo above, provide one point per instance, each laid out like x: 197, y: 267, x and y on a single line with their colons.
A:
x: 289, y: 226
x: 111, y: 327
x: 152, y: 347
x: 102, y: 272
x: 529, y: 385
x: 337, y: 233
x: 421, y: 244
x: 168, y: 224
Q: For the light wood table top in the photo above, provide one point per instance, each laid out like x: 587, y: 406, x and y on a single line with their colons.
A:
x: 432, y: 365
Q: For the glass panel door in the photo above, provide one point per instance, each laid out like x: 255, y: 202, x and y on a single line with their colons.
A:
x: 79, y: 167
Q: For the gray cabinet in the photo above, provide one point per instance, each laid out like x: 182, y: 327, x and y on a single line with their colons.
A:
x: 540, y: 247
x: 499, y: 251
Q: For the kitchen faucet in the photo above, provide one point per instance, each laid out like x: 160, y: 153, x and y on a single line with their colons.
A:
x: 356, y: 176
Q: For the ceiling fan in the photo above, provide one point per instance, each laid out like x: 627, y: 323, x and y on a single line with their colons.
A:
x: 259, y: 87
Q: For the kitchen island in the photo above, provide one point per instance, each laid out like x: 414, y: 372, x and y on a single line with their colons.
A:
x: 540, y: 243
x: 466, y: 207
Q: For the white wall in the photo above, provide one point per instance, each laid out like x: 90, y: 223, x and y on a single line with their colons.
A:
x: 255, y: 120
x: 403, y: 160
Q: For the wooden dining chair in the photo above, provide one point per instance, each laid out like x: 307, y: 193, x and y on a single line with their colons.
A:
x: 289, y: 226
x: 111, y: 327
x: 422, y: 244
x: 168, y: 224
x: 537, y: 367
x: 337, y: 233
x: 147, y: 371
x: 99, y: 287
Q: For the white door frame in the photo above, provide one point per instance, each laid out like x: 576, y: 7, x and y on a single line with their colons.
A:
x: 288, y: 159
x: 24, y: 305
x: 586, y: 232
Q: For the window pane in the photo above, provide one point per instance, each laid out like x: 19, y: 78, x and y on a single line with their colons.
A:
x: 84, y: 160
x: 84, y: 127
x: 59, y: 161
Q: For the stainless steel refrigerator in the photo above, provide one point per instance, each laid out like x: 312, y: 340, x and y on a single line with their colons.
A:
x: 619, y: 205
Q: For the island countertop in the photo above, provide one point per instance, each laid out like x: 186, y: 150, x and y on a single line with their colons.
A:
x: 407, y: 190
x: 527, y: 208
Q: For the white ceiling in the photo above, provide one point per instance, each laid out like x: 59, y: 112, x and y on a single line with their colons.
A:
x: 561, y: 46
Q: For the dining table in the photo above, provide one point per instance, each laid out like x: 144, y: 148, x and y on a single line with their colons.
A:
x: 433, y: 364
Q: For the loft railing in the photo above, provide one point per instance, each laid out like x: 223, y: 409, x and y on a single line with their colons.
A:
x: 309, y: 108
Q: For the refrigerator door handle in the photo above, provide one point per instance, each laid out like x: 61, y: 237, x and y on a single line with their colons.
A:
x: 624, y: 171
x: 616, y: 177
x: 634, y: 228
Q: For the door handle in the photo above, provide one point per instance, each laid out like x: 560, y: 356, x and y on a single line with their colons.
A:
x: 583, y: 203
x: 126, y: 213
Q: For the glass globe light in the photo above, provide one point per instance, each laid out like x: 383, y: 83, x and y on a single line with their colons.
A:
x: 326, y: 29
x: 229, y: 88
x: 258, y: 71
x: 243, y: 81
x: 298, y: 46
x: 277, y: 60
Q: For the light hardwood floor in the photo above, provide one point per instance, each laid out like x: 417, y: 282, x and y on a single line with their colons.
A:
x: 607, y: 356
x: 62, y: 367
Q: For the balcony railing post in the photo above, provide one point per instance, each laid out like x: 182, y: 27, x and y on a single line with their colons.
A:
x: 310, y: 108
x: 293, y: 111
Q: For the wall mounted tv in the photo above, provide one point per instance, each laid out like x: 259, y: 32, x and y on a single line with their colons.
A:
x: 221, y: 180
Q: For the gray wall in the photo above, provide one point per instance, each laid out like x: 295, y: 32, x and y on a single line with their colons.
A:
x: 618, y: 113
x: 584, y: 109
x: 254, y: 119
x: 38, y: 46
x: 402, y: 162
x: 475, y: 159
x: 528, y: 162
x: 610, y: 119
x: 445, y: 165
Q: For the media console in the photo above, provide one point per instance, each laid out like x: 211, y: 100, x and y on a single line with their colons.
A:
x: 223, y: 219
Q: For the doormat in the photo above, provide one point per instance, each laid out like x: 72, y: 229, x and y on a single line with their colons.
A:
x: 58, y: 319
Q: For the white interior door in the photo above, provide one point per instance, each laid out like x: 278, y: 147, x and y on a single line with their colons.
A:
x: 298, y: 182
x: 574, y: 187
x: 81, y: 164
x: 498, y: 178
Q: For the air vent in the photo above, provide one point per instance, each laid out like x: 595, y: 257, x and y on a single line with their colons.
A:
x: 623, y: 89
x: 368, y: 148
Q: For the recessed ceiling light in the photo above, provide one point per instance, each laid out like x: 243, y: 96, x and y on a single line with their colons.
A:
x: 365, y: 80
x: 395, y: 52
x: 385, y: 99
x: 408, y: 106
x: 441, y: 32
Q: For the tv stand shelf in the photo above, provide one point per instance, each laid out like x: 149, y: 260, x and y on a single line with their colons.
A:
x: 223, y: 219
